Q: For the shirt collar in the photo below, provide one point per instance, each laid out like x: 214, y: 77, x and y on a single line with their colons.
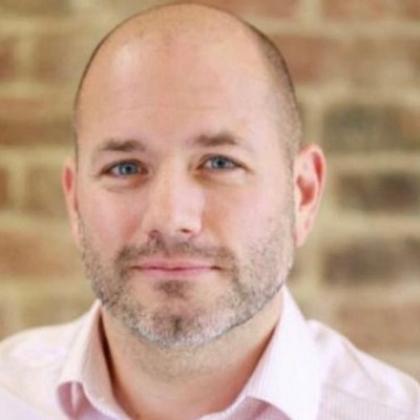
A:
x: 286, y: 377
x: 288, y: 374
x: 85, y: 376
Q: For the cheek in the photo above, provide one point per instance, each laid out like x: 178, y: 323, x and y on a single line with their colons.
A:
x: 238, y: 218
x: 111, y: 219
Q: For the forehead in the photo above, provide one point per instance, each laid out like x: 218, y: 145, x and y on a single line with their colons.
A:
x: 168, y: 68
x: 177, y: 79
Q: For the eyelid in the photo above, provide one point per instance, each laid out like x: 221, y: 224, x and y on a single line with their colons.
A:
x: 107, y: 170
x: 234, y: 162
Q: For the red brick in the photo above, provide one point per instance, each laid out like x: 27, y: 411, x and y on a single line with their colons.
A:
x: 29, y: 131
x: 412, y: 8
x: 8, y: 324
x: 33, y: 119
x: 269, y: 8
x: 43, y: 193
x: 61, y: 57
x: 372, y: 260
x: 52, y: 308
x: 377, y: 325
x: 409, y: 123
x: 31, y: 106
x: 4, y: 192
x: 355, y: 60
x: 37, y: 7
x: 7, y: 59
x: 367, y: 128
x: 383, y: 62
x: 397, y: 193
x: 39, y: 254
x: 312, y: 59
x: 371, y: 9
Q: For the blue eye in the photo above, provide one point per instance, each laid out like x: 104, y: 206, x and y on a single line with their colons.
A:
x: 220, y: 163
x: 125, y: 169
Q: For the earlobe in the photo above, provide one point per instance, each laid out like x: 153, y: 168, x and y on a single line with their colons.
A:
x: 69, y: 188
x: 309, y: 181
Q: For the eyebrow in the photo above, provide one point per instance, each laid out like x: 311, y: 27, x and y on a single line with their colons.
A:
x: 118, y: 145
x: 224, y: 138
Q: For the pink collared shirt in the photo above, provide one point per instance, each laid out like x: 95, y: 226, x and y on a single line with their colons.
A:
x: 307, y: 372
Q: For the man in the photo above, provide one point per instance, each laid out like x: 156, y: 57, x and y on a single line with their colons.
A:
x: 188, y: 195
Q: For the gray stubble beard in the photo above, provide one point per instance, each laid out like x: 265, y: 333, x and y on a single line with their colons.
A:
x: 252, y: 286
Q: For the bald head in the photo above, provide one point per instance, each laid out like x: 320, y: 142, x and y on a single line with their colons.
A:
x: 186, y: 30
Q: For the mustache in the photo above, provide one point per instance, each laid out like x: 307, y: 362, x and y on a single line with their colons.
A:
x: 218, y: 255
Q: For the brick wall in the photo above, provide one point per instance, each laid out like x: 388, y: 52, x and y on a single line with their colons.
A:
x: 357, y: 68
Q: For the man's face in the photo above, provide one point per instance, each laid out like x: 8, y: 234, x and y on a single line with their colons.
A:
x: 183, y: 191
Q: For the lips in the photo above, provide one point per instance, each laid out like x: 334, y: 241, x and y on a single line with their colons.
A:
x: 178, y: 268
x: 173, y: 264
x: 165, y: 267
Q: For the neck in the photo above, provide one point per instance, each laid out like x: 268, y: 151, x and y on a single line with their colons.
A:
x: 164, y: 382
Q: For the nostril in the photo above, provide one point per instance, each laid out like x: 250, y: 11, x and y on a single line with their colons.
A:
x: 185, y: 230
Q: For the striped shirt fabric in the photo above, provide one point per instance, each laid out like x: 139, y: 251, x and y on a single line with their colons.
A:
x: 307, y: 372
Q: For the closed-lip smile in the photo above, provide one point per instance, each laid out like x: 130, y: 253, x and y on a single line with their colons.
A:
x: 172, y: 267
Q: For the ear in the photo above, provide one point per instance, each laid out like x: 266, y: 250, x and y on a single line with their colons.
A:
x: 69, y: 185
x: 309, y: 181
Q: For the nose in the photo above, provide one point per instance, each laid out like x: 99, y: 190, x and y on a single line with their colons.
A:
x: 174, y: 206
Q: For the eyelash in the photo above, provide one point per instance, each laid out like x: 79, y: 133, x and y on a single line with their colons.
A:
x: 233, y: 165
x: 109, y: 170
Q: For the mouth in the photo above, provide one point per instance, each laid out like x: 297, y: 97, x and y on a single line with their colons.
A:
x: 174, y: 269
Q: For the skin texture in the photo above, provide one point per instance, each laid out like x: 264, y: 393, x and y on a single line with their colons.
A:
x: 182, y: 161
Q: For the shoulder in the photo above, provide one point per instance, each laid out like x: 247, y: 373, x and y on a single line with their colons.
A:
x: 34, y: 358
x: 37, y: 346
x: 355, y: 382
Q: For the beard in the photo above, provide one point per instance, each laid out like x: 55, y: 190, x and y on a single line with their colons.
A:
x: 183, y: 320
